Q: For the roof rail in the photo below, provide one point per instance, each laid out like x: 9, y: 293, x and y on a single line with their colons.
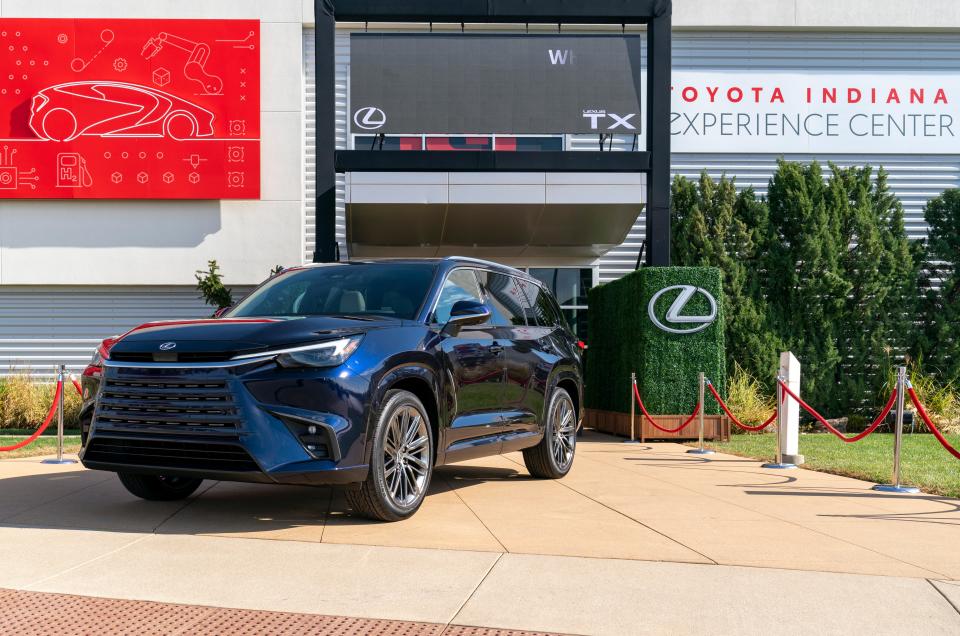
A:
x: 480, y: 261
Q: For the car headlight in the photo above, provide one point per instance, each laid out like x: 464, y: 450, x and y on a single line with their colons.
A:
x: 323, y: 354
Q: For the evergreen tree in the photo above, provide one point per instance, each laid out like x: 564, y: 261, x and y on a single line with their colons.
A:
x: 805, y: 291
x: 938, y: 341
x: 716, y: 226
x: 880, y: 267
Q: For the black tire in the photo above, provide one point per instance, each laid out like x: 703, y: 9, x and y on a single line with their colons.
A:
x: 378, y: 499
x: 546, y: 460
x: 159, y: 487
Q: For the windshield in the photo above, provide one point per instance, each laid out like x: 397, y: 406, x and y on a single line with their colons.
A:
x: 395, y: 290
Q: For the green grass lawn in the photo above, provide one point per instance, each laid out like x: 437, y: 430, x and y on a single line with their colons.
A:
x: 44, y: 445
x: 925, y: 463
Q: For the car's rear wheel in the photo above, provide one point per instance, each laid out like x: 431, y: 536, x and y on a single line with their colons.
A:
x: 401, y: 462
x: 159, y: 487
x: 59, y: 124
x: 552, y: 458
x: 180, y: 125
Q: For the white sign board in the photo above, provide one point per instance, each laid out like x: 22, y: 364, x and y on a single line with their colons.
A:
x: 821, y: 112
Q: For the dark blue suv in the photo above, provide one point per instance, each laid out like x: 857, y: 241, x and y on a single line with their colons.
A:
x: 366, y: 374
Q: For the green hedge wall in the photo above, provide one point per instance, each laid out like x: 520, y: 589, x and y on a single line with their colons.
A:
x: 623, y: 340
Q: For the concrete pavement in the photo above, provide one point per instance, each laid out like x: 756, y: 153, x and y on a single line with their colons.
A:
x: 637, y: 539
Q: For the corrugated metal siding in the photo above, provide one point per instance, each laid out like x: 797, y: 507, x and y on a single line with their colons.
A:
x: 309, y: 160
x: 44, y: 326
x: 914, y: 178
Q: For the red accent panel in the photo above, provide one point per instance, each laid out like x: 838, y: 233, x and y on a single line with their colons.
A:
x: 129, y: 109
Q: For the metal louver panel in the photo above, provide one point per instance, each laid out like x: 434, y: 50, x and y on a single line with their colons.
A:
x: 310, y: 119
x: 41, y: 327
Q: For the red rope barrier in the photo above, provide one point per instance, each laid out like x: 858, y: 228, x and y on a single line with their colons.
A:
x: 76, y: 385
x: 53, y: 409
x: 643, y: 409
x: 933, y: 429
x: 716, y: 396
x: 830, y: 427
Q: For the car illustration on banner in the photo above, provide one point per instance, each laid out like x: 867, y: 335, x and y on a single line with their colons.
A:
x: 115, y: 109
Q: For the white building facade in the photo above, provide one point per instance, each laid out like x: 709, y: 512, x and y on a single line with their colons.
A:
x: 854, y: 82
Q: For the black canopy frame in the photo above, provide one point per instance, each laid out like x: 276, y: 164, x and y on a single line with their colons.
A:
x: 654, y: 161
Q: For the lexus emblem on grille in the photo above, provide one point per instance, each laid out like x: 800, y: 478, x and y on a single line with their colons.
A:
x: 167, y: 346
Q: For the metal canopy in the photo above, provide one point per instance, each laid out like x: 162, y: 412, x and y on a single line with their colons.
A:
x: 540, y: 11
x: 491, y: 161
x: 656, y: 14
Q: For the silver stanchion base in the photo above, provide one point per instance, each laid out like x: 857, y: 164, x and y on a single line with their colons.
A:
x: 891, y: 488
x: 779, y: 466
x: 631, y: 441
x: 698, y: 451
x: 58, y: 461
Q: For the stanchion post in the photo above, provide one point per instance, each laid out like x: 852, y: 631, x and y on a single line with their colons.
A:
x: 633, y: 404
x: 781, y: 427
x: 61, y: 378
x: 702, y: 385
x: 898, y: 439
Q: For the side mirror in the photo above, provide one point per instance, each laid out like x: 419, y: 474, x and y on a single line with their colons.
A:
x: 222, y: 311
x: 466, y: 312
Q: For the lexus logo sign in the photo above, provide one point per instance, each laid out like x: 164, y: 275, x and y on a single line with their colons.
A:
x: 369, y: 118
x: 673, y: 321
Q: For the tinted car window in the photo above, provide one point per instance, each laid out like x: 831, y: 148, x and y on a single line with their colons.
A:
x: 540, y: 309
x: 394, y: 290
x: 461, y: 284
x: 503, y: 298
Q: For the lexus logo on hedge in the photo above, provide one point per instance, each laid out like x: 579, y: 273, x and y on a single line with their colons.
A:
x: 674, y: 320
x: 369, y: 118
x: 167, y: 346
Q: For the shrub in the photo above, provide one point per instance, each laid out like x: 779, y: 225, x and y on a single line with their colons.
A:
x: 623, y: 340
x: 940, y: 399
x: 211, y: 287
x: 24, y: 402
x: 748, y: 399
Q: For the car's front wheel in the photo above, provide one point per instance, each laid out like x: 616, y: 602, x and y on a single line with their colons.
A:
x: 159, y: 487
x: 553, y: 456
x: 401, y: 461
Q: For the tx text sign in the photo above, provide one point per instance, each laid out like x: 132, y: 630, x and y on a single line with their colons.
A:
x: 129, y: 109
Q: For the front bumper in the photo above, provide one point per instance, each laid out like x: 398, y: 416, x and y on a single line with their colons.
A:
x: 249, y: 421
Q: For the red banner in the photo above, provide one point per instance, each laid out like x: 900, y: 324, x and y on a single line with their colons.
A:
x: 129, y: 109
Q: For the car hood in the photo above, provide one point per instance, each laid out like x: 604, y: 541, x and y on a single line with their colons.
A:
x: 218, y: 339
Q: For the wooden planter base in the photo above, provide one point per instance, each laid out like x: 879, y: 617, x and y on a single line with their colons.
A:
x: 715, y: 427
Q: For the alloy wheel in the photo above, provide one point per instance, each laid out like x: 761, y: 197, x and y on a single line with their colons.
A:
x: 406, y: 456
x: 564, y: 432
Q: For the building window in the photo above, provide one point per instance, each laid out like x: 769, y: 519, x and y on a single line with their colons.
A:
x: 570, y: 286
x: 527, y: 144
x: 387, y: 142
x: 459, y: 143
x: 506, y: 143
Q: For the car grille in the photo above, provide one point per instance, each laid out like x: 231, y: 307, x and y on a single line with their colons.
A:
x: 169, y: 454
x: 166, y: 405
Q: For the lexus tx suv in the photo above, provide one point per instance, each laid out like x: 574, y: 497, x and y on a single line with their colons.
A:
x: 364, y: 374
